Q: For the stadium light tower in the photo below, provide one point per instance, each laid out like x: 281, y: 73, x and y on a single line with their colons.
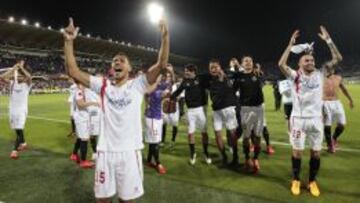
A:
x: 11, y: 19
x: 49, y: 28
x: 24, y: 22
x: 37, y: 24
x: 156, y: 12
x: 62, y: 30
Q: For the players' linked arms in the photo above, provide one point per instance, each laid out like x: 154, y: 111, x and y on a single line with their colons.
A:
x: 71, y: 66
x: 285, y: 69
x: 335, y: 54
x: 163, y: 57
x: 177, y: 92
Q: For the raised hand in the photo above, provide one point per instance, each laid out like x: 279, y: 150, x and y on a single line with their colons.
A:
x: 71, y: 31
x: 324, y: 35
x: 163, y: 26
x: 295, y: 35
x: 170, y: 68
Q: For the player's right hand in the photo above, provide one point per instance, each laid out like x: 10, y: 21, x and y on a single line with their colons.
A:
x: 295, y: 35
x: 71, y: 31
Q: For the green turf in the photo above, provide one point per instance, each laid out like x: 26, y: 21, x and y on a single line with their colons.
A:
x: 44, y: 173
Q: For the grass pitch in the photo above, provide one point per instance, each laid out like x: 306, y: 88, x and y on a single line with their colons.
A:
x: 44, y: 173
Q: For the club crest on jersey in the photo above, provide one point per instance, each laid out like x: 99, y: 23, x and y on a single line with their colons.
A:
x: 310, y: 84
x: 120, y: 103
x: 254, y: 79
x: 230, y: 83
x: 196, y: 82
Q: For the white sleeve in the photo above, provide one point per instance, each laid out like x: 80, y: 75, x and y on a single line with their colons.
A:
x: 292, y: 74
x: 140, y: 84
x: 96, y: 84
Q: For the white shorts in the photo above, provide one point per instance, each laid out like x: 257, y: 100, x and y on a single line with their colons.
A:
x: 94, y: 122
x: 225, y: 116
x: 171, y: 118
x: 334, y: 113
x: 196, y: 118
x: 153, y: 130
x: 119, y: 172
x: 310, y: 128
x: 82, y: 129
x: 17, y: 120
x: 252, y: 119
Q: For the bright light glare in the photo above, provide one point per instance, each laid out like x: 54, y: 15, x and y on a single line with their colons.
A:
x: 11, y: 19
x: 155, y: 12
x: 24, y: 22
x: 37, y: 24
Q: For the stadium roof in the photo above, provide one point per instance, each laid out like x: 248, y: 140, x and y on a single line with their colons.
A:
x: 44, y: 38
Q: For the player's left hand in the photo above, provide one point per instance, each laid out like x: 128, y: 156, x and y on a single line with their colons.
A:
x: 324, y: 35
x: 351, y: 104
x: 71, y: 31
x: 170, y: 68
x: 163, y: 25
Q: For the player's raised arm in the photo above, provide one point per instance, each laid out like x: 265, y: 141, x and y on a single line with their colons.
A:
x: 71, y: 66
x: 163, y: 57
x: 153, y: 87
x: 335, y: 54
x: 285, y: 69
x: 27, y: 75
x: 10, y: 72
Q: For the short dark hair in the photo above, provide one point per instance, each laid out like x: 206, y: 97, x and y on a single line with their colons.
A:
x: 247, y: 55
x: 191, y: 67
x: 214, y: 60
x: 122, y: 54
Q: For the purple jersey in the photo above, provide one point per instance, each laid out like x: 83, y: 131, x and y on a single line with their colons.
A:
x: 154, y: 102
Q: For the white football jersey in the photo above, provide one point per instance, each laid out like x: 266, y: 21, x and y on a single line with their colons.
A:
x: 80, y: 114
x: 91, y: 96
x: 307, y: 92
x: 19, y: 94
x: 285, y: 90
x: 120, y: 123
x: 72, y: 90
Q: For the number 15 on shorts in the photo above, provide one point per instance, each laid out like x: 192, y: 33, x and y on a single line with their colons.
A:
x: 99, y: 177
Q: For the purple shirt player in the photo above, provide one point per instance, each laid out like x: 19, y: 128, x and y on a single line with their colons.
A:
x: 155, y: 101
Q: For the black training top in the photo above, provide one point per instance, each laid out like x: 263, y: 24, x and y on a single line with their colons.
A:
x: 250, y: 87
x: 222, y: 93
x: 195, y: 92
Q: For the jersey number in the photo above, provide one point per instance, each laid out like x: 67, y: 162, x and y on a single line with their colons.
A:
x: 100, y: 177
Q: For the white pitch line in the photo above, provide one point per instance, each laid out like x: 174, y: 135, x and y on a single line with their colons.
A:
x: 49, y: 119
x: 274, y: 142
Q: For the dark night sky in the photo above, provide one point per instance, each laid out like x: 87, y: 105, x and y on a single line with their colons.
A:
x: 206, y: 28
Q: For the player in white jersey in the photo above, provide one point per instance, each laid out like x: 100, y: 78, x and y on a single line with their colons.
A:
x: 94, y: 118
x: 119, y: 162
x: 306, y: 118
x: 72, y: 90
x: 286, y: 99
x: 81, y: 117
x: 20, y: 84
